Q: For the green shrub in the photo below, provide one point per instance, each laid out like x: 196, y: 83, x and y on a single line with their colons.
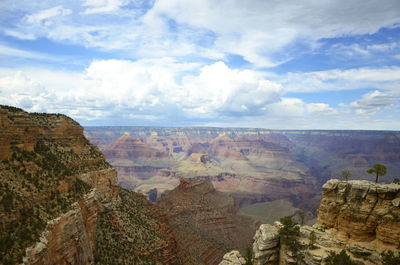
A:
x: 339, y: 259
x: 289, y: 233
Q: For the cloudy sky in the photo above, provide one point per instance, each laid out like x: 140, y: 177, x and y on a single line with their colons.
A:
x: 301, y: 64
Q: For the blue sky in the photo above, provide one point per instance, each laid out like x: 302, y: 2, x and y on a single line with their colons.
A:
x: 306, y: 64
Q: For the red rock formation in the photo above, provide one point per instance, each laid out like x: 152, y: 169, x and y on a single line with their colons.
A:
x: 204, y: 222
x: 46, y: 164
x: 128, y: 147
x: 70, y: 238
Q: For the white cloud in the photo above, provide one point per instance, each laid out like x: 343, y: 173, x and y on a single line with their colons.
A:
x: 102, y: 6
x: 44, y: 16
x: 257, y: 30
x: 145, y: 87
x: 20, y: 35
x: 373, y: 102
x: 148, y: 91
x: 9, y: 51
x: 20, y: 90
x: 297, y: 108
x: 337, y: 79
x: 321, y: 109
x: 219, y: 89
x: 383, y: 47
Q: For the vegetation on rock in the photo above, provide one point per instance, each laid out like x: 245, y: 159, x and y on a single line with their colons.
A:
x: 339, y: 259
x: 345, y: 175
x: 379, y: 170
x: 289, y: 234
x: 134, y: 232
x: 312, y: 238
x: 35, y: 187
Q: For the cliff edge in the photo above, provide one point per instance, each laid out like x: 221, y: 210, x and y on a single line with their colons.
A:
x: 360, y: 217
x: 60, y: 202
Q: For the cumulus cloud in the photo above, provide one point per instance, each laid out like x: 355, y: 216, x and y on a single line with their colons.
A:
x: 144, y: 88
x: 373, y: 102
x: 20, y: 90
x: 223, y: 90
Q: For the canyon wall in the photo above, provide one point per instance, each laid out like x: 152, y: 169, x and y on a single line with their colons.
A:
x: 255, y: 165
x: 60, y: 200
x: 70, y: 238
x: 206, y: 222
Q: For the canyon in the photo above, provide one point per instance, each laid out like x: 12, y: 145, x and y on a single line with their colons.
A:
x: 61, y: 203
x: 254, y: 165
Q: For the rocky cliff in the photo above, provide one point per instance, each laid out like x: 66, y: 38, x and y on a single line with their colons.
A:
x: 206, y: 222
x: 58, y: 197
x: 362, y: 211
x: 359, y: 217
x: 47, y: 170
x: 70, y: 238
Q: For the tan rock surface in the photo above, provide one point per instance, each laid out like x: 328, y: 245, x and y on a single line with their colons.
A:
x: 361, y: 210
x: 233, y: 258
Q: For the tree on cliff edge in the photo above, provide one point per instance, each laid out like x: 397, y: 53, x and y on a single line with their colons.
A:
x: 378, y: 169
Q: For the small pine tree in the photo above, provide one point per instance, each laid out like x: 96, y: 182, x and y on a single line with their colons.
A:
x: 345, y: 175
x: 379, y: 170
x: 312, y: 239
x: 289, y: 232
x: 248, y: 256
x: 302, y: 215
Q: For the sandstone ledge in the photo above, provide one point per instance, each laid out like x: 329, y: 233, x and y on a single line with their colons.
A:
x: 361, y: 210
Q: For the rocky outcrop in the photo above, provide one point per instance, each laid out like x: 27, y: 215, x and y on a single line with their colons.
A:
x: 361, y: 210
x: 266, y: 245
x: 359, y: 217
x: 233, y: 258
x: 104, y: 181
x: 70, y: 238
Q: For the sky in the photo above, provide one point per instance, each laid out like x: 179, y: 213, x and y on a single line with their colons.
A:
x: 296, y: 64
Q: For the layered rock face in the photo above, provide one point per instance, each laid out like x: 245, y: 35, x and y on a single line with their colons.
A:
x: 362, y: 210
x: 47, y: 166
x: 253, y: 164
x: 70, y: 238
x: 266, y: 245
x: 59, y: 198
x: 360, y: 217
x: 205, y: 222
